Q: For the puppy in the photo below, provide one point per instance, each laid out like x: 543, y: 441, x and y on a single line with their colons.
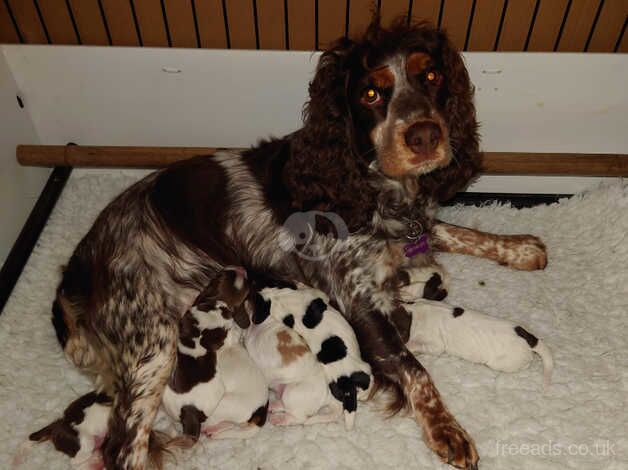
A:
x: 327, y: 334
x: 293, y: 373
x: 498, y: 343
x: 216, y: 388
x: 79, y: 433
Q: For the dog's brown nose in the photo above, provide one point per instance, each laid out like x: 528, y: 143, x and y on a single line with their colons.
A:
x: 423, y: 137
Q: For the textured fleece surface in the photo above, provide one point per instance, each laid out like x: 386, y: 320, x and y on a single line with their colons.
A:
x: 579, y: 305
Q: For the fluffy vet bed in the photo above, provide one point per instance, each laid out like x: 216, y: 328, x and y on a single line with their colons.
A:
x: 579, y: 305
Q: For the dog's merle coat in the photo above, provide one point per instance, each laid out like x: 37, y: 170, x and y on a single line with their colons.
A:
x: 389, y: 131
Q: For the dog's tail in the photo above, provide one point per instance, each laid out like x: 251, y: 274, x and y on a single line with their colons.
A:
x: 548, y: 362
x: 539, y: 347
x: 140, y: 379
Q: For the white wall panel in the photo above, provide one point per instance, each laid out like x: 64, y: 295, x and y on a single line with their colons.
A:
x: 19, y: 186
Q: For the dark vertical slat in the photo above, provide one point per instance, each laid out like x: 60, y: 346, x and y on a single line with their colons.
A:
x: 28, y: 236
x: 516, y: 25
x: 151, y: 23
x: 331, y: 21
x: 390, y: 10
x: 455, y: 20
x: 57, y: 20
x: 426, y: 10
x: 622, y: 40
x: 301, y: 25
x: 241, y: 24
x: 181, y: 23
x: 271, y: 24
x: 578, y: 25
x: 8, y: 30
x: 211, y: 23
x: 28, y: 21
x: 120, y: 21
x: 608, y: 26
x: 360, y: 14
x: 486, y: 19
x: 547, y: 25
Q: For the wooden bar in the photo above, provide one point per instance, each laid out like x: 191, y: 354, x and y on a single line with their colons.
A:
x: 391, y: 10
x: 211, y: 23
x: 8, y: 33
x: 241, y: 24
x: 28, y: 22
x: 301, y: 25
x: 331, y: 21
x: 578, y: 25
x: 360, y: 14
x: 456, y: 20
x: 496, y: 163
x: 181, y: 23
x: 271, y: 24
x: 150, y: 20
x: 485, y: 25
x: 57, y: 19
x: 425, y: 10
x: 121, y: 24
x: 609, y: 26
x: 516, y: 25
x: 547, y: 25
x: 89, y: 22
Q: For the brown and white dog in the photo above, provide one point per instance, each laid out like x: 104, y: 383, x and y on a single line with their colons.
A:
x: 389, y: 131
x: 310, y: 355
x: 79, y: 433
x: 216, y: 388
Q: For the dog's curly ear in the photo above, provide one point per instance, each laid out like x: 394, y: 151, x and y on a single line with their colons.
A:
x: 328, y: 89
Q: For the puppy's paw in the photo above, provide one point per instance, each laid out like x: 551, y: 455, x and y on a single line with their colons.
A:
x: 453, y: 445
x: 524, y: 252
x: 280, y: 418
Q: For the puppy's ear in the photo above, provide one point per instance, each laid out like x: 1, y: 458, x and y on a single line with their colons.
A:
x: 44, y: 433
x: 241, y: 317
x: 361, y: 380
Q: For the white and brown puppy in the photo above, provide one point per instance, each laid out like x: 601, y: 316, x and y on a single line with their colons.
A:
x: 498, y: 343
x: 327, y: 334
x: 79, y: 433
x: 216, y: 388
x: 293, y: 373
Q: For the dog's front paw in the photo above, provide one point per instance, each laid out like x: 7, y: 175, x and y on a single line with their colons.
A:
x: 525, y: 252
x: 453, y: 445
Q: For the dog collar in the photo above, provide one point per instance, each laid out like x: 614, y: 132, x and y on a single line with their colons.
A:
x: 419, y: 245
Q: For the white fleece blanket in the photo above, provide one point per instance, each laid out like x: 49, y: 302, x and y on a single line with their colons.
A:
x: 579, y: 305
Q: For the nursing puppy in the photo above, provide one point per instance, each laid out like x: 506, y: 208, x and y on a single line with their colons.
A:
x: 293, y: 373
x: 498, y: 343
x: 328, y: 336
x: 216, y: 388
x: 79, y: 433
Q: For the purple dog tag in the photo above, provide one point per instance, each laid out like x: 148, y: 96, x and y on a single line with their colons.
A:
x: 420, y: 245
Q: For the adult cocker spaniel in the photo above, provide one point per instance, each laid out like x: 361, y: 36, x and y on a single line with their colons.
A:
x: 389, y: 131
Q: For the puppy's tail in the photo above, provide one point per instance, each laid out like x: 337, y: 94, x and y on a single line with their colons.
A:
x: 548, y: 362
x: 542, y: 350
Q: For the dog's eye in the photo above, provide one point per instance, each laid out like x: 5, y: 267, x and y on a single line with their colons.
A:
x: 433, y: 77
x: 371, y: 96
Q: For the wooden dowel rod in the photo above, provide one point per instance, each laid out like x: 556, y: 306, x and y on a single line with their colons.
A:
x: 495, y: 163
